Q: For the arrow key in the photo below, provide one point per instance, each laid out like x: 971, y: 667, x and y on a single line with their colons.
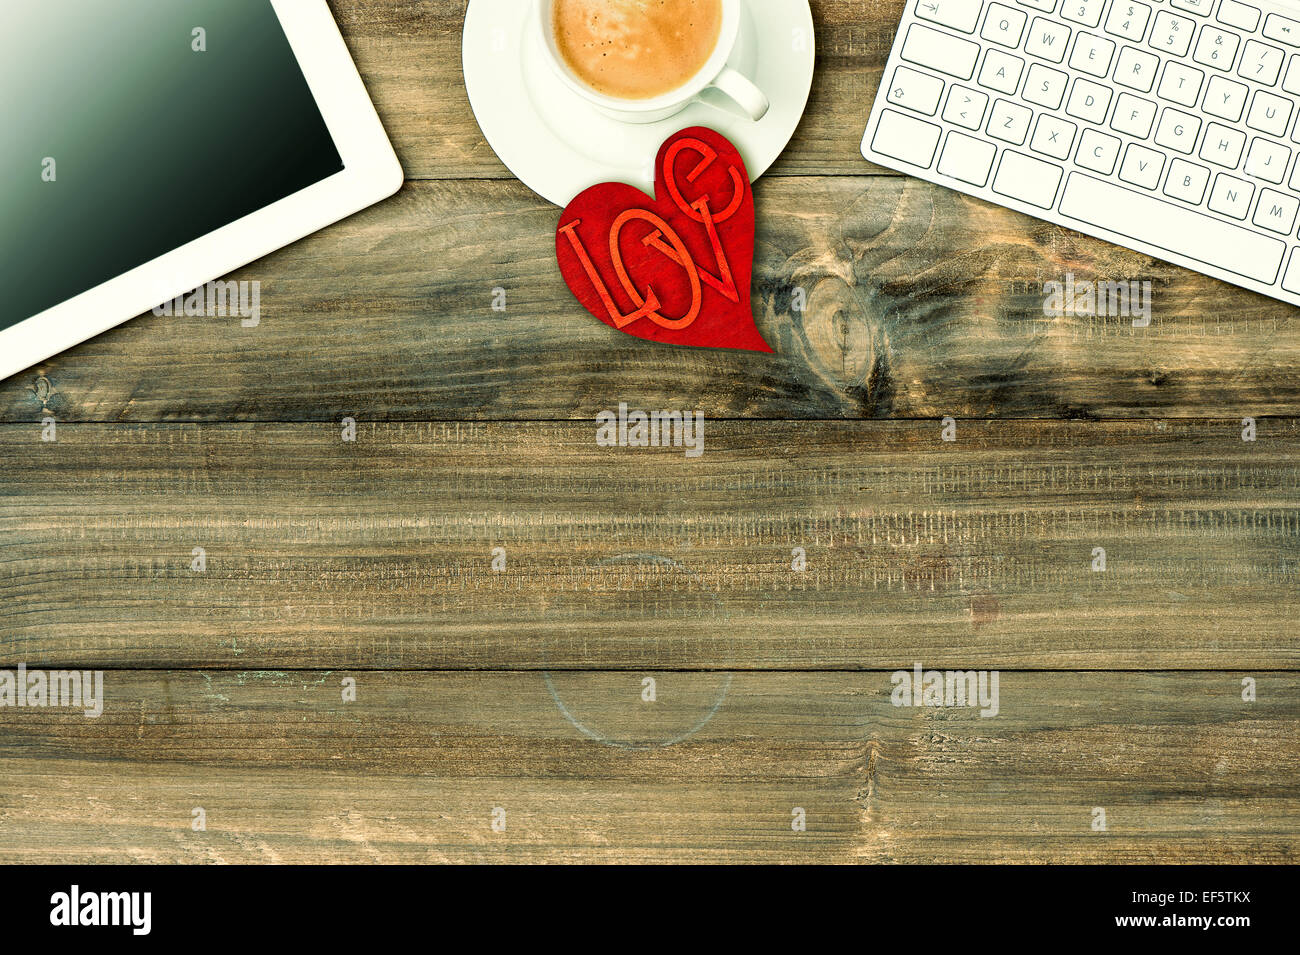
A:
x: 959, y: 14
x: 965, y: 107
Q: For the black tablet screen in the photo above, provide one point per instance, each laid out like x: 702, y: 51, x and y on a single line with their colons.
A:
x: 130, y: 128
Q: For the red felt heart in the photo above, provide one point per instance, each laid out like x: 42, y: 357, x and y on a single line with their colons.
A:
x: 675, y: 268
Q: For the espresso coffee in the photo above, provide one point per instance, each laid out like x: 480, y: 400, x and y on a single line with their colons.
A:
x: 636, y: 49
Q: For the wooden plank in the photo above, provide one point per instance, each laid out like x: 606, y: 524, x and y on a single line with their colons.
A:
x: 412, y: 771
x: 378, y: 553
x: 389, y: 316
x: 410, y: 57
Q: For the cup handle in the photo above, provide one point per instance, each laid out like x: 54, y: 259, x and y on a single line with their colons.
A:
x: 742, y: 89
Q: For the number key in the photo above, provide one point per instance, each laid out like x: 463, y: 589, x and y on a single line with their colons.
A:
x: 1261, y: 62
x: 1128, y: 19
x: 1216, y: 48
x: 1172, y: 34
x: 1087, y: 12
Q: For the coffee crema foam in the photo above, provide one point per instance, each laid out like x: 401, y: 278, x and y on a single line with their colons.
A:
x: 636, y: 49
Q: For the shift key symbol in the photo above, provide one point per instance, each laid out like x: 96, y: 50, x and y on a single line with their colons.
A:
x: 916, y: 90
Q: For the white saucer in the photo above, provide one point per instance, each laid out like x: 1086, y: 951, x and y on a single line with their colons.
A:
x: 558, y: 144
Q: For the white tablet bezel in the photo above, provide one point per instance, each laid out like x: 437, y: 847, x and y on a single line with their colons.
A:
x: 371, y: 173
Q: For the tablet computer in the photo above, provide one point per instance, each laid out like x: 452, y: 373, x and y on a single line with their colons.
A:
x: 148, y: 147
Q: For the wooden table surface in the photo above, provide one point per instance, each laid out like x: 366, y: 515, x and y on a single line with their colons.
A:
x: 515, y: 695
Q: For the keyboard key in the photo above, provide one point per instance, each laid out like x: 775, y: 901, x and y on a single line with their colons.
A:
x: 926, y: 46
x: 1004, y: 26
x: 1216, y: 48
x: 967, y: 158
x: 1178, y: 131
x: 1292, y: 82
x: 1053, y: 137
x: 1231, y: 195
x: 1097, y: 151
x: 1045, y: 86
x: 1128, y: 19
x: 1027, y: 179
x: 1001, y: 71
x: 1283, y: 29
x: 1225, y: 98
x: 1142, y: 166
x: 1136, y: 69
x: 1181, y: 84
x: 906, y: 139
x: 1269, y: 113
x: 1009, y: 122
x: 1239, y: 15
x: 1222, y: 145
x: 918, y: 91
x: 1047, y: 40
x: 1133, y: 116
x: 1199, y: 7
x: 961, y: 15
x: 1088, y: 101
x: 1172, y: 34
x: 965, y: 107
x: 1267, y: 160
x: 1187, y: 181
x: 1087, y: 12
x: 1047, y: 6
x: 1092, y: 54
x: 1276, y: 211
x: 1291, y: 281
x: 1261, y: 62
x: 1174, y: 228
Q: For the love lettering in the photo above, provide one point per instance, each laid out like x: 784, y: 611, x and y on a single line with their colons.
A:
x: 675, y: 269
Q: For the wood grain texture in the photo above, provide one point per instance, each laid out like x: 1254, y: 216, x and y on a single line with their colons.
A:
x: 920, y: 303
x: 412, y: 770
x: 323, y: 553
x: 522, y: 689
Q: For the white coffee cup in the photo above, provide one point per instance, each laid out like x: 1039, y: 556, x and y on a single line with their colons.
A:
x: 715, y: 74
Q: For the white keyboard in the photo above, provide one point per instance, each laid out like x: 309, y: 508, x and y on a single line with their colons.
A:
x: 1167, y: 126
